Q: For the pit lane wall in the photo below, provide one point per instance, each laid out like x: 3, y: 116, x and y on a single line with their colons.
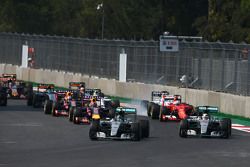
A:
x: 228, y: 103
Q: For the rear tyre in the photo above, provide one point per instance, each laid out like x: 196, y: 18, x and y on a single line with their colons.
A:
x: 47, y: 107
x: 163, y: 111
x: 144, y: 104
x: 144, y: 128
x: 35, y: 101
x: 76, y: 113
x: 3, y: 102
x: 149, y: 109
x: 116, y: 103
x: 71, y: 112
x: 54, y: 108
x: 155, y: 111
x: 29, y: 100
x: 183, y: 128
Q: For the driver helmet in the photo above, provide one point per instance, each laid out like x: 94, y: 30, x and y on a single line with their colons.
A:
x: 205, y: 116
x: 176, y: 101
x: 81, y: 89
x: 93, y: 100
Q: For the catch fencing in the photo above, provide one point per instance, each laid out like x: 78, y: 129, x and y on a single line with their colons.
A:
x: 212, y: 66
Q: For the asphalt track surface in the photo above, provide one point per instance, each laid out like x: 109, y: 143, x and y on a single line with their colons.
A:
x: 28, y: 138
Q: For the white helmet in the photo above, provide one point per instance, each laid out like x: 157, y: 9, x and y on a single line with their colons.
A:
x: 205, y: 116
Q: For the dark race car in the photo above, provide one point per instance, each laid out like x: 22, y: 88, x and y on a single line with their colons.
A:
x: 18, y: 90
x: 124, y: 125
x: 15, y: 88
x: 82, y: 107
x: 205, y: 125
x: 3, y: 96
x: 61, y: 104
x: 83, y: 114
x: 37, y: 96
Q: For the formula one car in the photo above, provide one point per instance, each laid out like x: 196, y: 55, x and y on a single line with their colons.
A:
x: 205, y: 125
x: 173, y: 109
x: 37, y: 96
x: 169, y: 107
x: 3, y: 96
x: 79, y: 111
x: 82, y: 105
x: 83, y: 114
x: 61, y: 104
x: 123, y: 126
x: 16, y: 88
x: 153, y: 107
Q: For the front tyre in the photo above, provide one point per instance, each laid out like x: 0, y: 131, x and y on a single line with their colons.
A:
x: 144, y: 128
x: 93, y: 130
x: 136, y: 131
x: 183, y: 128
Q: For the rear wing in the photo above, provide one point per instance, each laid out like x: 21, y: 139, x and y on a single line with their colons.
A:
x: 44, y: 87
x: 11, y: 76
x: 207, y: 109
x: 2, y: 79
x: 8, y: 77
x: 156, y: 95
x: 126, y: 110
x: 89, y: 97
x: 92, y: 93
x: 76, y: 85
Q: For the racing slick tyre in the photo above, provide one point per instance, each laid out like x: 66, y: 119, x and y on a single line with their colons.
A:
x: 149, y: 108
x: 116, y: 103
x: 3, y: 101
x: 155, y: 111
x: 71, y: 112
x: 93, y: 130
x: 230, y: 126
x: 144, y: 128
x: 47, y: 107
x: 136, y: 131
x: 54, y: 108
x: 144, y: 104
x: 226, y: 127
x: 76, y: 113
x: 29, y: 100
x: 183, y: 128
x: 163, y: 111
x: 35, y: 101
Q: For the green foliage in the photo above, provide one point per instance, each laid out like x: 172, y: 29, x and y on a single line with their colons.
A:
x: 227, y: 20
x: 222, y: 20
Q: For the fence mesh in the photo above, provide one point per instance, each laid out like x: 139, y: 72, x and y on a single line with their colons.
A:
x: 213, y: 66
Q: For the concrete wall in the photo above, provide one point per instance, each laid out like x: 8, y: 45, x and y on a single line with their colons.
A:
x: 228, y: 103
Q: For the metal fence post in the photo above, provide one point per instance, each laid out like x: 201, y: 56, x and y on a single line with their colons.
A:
x: 222, y: 68
x: 210, y: 68
x: 248, y: 74
x: 236, y: 54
